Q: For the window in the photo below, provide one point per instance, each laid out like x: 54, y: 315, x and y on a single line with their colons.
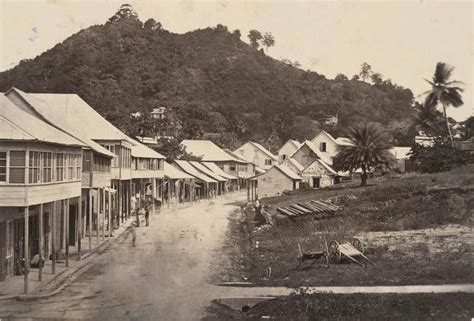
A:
x: 34, y: 167
x: 17, y: 167
x: 59, y: 167
x: 78, y: 166
x: 70, y: 166
x: 283, y: 157
x: 3, y: 166
x: 46, y: 167
x: 322, y: 147
x: 232, y: 167
x: 268, y: 161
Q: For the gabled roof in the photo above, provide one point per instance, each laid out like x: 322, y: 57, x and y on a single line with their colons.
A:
x: 262, y: 149
x: 206, y: 149
x: 213, y: 167
x: 172, y: 172
x: 315, y: 150
x: 207, y: 171
x: 236, y: 157
x: 191, y: 170
x: 341, y: 141
x: 295, y: 143
x: 326, y: 166
x: 18, y: 124
x: 284, y: 169
x: 70, y: 112
x: 295, y: 163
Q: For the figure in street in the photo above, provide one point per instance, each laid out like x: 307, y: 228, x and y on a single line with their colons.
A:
x: 147, y: 215
x: 134, y: 234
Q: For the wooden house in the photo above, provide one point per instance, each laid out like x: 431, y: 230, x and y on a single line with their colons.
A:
x: 232, y: 181
x: 275, y: 181
x: 319, y: 174
x: 329, y: 146
x: 308, y: 153
x: 40, y: 190
x: 178, y: 185
x: 288, y: 149
x: 210, y: 152
x: 257, y: 154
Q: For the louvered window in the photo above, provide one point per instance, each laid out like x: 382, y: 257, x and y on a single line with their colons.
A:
x: 17, y: 167
x: 3, y: 166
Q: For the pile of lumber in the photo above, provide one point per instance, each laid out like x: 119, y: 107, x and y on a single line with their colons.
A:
x: 320, y: 208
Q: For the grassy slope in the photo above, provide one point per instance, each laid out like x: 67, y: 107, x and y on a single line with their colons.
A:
x: 426, y: 257
x: 356, y: 307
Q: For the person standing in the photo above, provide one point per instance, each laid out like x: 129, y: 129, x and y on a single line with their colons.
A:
x: 147, y: 215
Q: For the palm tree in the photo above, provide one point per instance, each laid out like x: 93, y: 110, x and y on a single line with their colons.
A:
x: 370, y: 149
x: 444, y: 92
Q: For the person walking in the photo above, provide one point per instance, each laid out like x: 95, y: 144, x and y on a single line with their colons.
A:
x: 147, y: 215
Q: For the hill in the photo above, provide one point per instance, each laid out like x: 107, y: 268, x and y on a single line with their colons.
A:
x: 210, y: 80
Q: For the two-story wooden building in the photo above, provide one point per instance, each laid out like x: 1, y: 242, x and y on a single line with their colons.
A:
x: 40, y: 188
x: 328, y: 146
x: 257, y: 154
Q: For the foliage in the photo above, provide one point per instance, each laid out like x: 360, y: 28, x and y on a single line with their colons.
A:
x: 268, y: 40
x: 429, y: 120
x: 173, y: 150
x: 340, y: 77
x: 365, y: 71
x: 444, y: 92
x: 370, y: 149
x: 255, y: 36
x: 439, y: 158
x: 209, y: 80
x: 467, y: 128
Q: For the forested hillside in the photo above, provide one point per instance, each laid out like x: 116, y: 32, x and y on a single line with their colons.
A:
x: 210, y: 80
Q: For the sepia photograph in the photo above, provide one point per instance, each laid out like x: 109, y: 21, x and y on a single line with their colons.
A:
x: 237, y: 160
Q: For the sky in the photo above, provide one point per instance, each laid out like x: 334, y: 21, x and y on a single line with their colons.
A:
x: 402, y: 40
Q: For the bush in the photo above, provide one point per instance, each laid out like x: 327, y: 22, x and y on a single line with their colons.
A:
x: 439, y: 158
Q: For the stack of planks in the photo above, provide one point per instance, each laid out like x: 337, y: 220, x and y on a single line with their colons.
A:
x: 320, y: 208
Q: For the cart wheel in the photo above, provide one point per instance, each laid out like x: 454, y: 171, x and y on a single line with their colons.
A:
x: 357, y: 243
x: 334, y: 252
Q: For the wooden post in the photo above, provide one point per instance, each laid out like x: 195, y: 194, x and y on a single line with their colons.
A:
x: 97, y: 199
x: 27, y: 254
x: 41, y: 237
x: 66, y: 223
x: 79, y: 227
x: 248, y: 192
x: 119, y: 198
x: 153, y: 192
x: 110, y: 213
x: 53, y: 238
x: 90, y: 220
x: 103, y: 214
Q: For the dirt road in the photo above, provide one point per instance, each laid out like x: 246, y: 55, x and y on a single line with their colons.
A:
x: 166, y: 277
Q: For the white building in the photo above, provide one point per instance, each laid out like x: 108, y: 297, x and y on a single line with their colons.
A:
x: 288, y: 149
x: 257, y: 154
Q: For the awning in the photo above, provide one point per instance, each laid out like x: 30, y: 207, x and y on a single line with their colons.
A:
x: 208, y: 172
x: 189, y: 169
x: 172, y: 172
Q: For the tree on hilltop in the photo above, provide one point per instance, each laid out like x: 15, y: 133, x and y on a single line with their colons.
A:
x: 125, y: 11
x: 268, y: 40
x: 254, y: 36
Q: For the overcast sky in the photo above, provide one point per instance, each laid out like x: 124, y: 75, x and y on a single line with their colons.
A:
x: 402, y: 40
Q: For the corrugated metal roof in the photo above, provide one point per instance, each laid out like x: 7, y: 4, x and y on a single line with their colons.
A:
x: 188, y: 168
x: 174, y: 173
x: 208, y: 172
x: 206, y: 149
x: 216, y: 169
x: 18, y: 124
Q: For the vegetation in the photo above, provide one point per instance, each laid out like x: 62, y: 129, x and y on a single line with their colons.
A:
x: 210, y: 80
x: 397, y: 219
x: 440, y: 157
x: 444, y: 92
x: 370, y: 150
x: 326, y: 306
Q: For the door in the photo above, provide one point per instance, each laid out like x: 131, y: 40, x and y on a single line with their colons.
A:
x: 316, y: 182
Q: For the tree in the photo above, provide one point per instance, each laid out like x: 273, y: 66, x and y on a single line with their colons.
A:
x: 355, y: 77
x: 152, y: 24
x: 173, y: 150
x: 370, y: 149
x: 254, y: 36
x: 125, y: 12
x: 376, y: 78
x: 268, y: 40
x: 468, y: 128
x: 429, y: 120
x: 340, y: 77
x: 365, y: 71
x: 438, y: 158
x: 444, y: 92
